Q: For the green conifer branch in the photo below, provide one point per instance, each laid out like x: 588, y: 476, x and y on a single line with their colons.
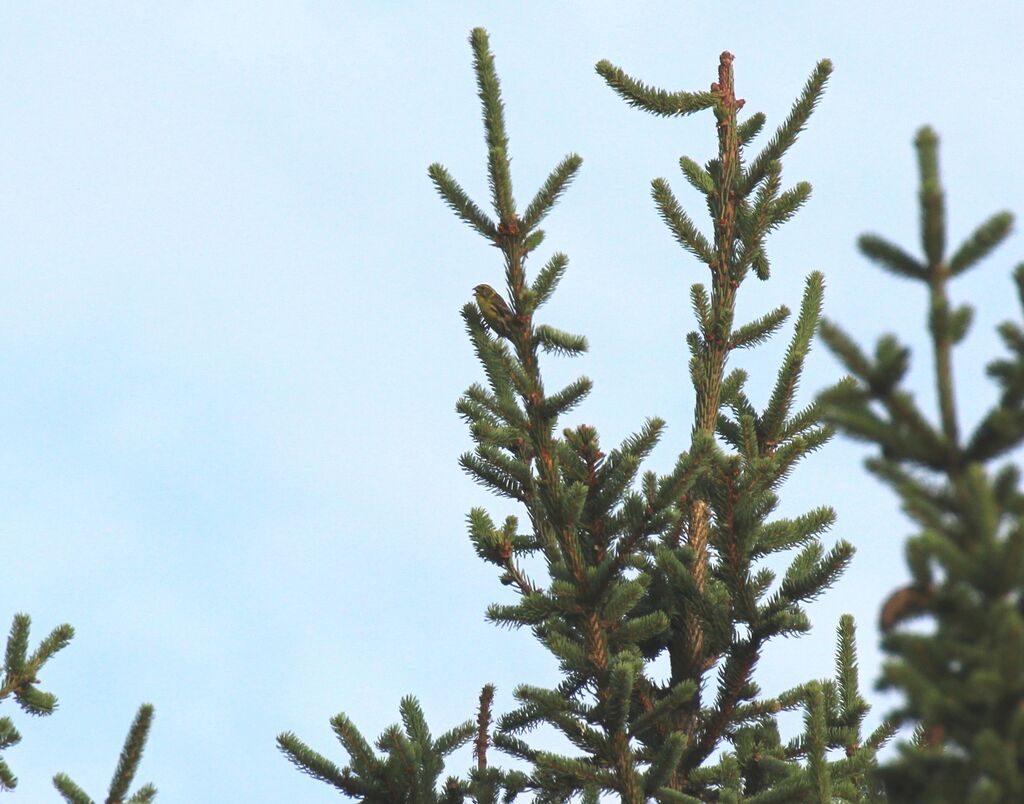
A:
x: 924, y: 502
x: 500, y: 182
x: 8, y: 737
x: 532, y: 240
x: 487, y: 474
x: 547, y: 278
x: 72, y: 793
x: 686, y: 233
x: 785, y: 386
x: 1001, y: 430
x: 551, y: 190
x: 656, y: 101
x: 17, y: 646
x: 849, y: 354
x: 489, y: 91
x: 814, y: 725
x: 568, y: 398
x: 759, y: 330
x: 785, y: 534
x: 497, y: 458
x: 787, y: 454
x: 787, y: 204
x: 959, y: 322
x: 413, y: 763
x: 891, y: 257
x: 729, y: 431
x: 800, y: 422
x: 754, y: 222
x: 931, y: 197
x: 701, y: 305
x: 750, y: 128
x: 131, y: 754
x: 460, y: 202
x: 787, y: 133
x: 480, y: 405
x: 892, y: 360
x: 561, y: 343
x: 18, y: 676
x: 734, y: 397
x: 124, y: 773
x: 854, y: 707
x: 698, y: 177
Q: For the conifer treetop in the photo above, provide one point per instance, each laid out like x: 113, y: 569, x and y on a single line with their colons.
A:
x: 666, y: 565
x: 962, y: 682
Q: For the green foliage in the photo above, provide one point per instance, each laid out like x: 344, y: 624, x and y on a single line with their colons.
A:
x: 963, y: 681
x: 686, y: 233
x: 641, y: 566
x: 645, y: 566
x: 985, y: 238
x: 457, y: 199
x: 127, y: 765
x: 656, y: 101
x: 786, y: 134
x: 20, y: 677
x: 414, y: 761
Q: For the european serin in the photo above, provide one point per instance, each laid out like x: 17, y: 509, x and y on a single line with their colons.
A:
x: 494, y: 310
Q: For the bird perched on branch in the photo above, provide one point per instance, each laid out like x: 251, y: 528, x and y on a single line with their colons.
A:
x: 494, y: 310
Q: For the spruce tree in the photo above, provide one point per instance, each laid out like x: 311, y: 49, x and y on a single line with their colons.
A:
x: 962, y: 679
x: 671, y: 567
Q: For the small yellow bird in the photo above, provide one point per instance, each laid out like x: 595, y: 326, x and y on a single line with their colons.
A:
x: 494, y: 310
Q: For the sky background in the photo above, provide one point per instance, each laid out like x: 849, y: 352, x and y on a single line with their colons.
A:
x: 231, y: 346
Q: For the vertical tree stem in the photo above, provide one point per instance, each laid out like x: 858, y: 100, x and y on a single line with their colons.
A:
x: 687, y: 654
x: 943, y: 353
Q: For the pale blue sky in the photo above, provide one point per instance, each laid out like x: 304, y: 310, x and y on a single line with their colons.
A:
x: 231, y: 346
